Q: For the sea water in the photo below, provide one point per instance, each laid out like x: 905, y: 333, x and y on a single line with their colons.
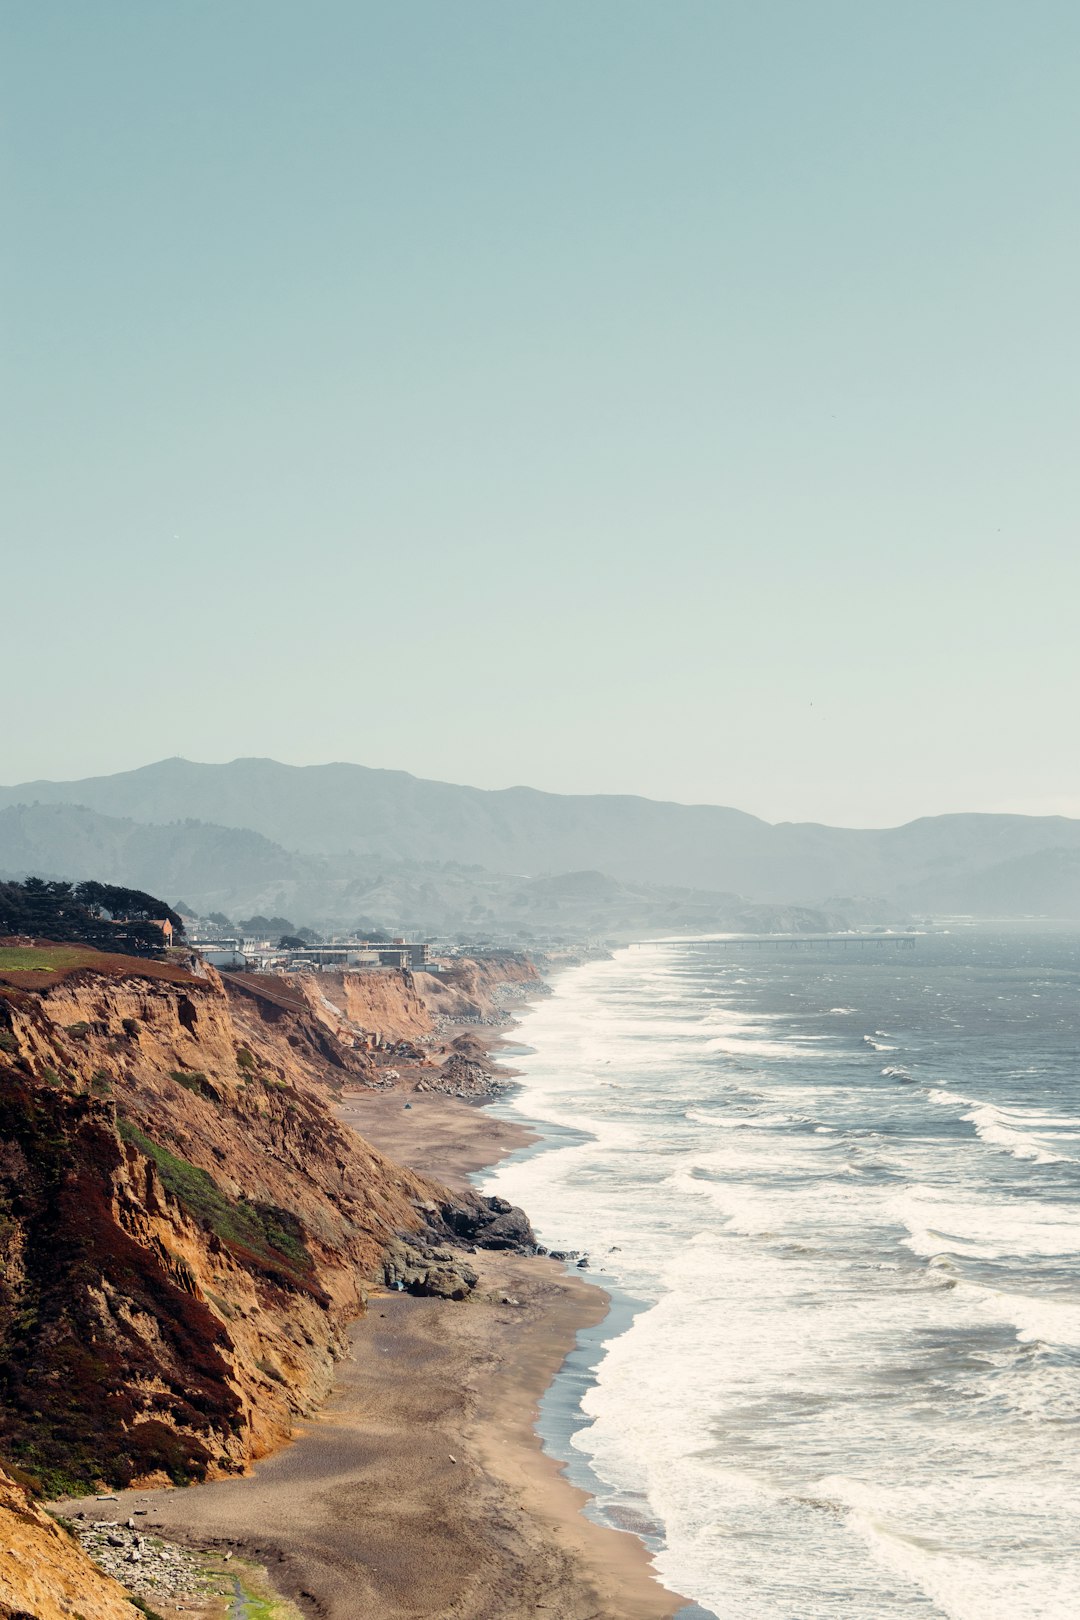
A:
x: 837, y: 1194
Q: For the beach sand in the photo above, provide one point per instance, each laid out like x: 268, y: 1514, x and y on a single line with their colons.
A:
x: 437, y: 1135
x: 420, y: 1492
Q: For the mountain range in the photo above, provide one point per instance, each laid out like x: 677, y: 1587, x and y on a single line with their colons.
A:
x: 325, y: 836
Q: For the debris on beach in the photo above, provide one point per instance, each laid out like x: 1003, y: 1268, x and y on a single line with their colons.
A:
x: 147, y: 1565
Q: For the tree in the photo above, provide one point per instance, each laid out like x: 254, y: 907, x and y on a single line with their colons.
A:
x: 131, y: 904
x: 57, y: 910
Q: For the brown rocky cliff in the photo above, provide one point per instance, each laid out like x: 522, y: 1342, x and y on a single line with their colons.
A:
x: 185, y: 1227
x: 469, y: 986
x: 44, y: 1573
x: 402, y: 1006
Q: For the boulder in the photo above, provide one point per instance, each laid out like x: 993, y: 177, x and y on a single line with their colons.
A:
x: 441, y: 1273
x: 491, y: 1223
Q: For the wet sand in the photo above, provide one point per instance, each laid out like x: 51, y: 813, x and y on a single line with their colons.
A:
x: 420, y: 1492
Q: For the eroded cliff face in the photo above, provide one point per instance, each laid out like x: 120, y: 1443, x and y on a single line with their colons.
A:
x: 397, y: 1006
x: 471, y: 985
x: 185, y: 1227
x: 44, y: 1573
x: 387, y: 1005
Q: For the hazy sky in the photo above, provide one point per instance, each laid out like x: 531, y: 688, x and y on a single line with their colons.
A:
x: 675, y: 398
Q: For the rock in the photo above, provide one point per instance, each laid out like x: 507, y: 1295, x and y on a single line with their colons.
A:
x: 447, y: 1282
x: 583, y: 1263
x: 491, y: 1223
x: 441, y: 1273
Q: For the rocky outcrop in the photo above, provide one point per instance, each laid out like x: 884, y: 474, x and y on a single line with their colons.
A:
x: 465, y: 1077
x: 423, y: 1267
x: 441, y: 1272
x: 44, y: 1573
x: 489, y: 1223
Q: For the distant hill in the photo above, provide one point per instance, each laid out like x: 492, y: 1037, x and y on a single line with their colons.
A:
x: 1046, y: 883
x: 239, y: 873
x: 341, y: 818
x: 68, y: 840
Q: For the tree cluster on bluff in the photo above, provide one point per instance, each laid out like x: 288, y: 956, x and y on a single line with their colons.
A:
x: 105, y: 915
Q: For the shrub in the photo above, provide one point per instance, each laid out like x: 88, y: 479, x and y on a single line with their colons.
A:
x: 195, y: 1080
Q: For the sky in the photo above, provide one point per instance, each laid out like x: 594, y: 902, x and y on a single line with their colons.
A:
x: 670, y: 398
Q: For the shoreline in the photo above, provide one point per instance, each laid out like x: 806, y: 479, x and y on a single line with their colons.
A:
x: 422, y: 1489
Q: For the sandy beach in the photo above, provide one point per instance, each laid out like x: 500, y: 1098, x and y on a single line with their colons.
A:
x: 420, y: 1492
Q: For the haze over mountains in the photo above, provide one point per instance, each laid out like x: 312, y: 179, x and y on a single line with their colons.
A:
x: 328, y: 837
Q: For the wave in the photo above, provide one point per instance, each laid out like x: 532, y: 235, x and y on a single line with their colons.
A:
x: 1005, y: 1128
x: 976, y: 1228
x: 962, y: 1586
x: 1038, y: 1319
x: 878, y: 1046
x: 992, y: 1125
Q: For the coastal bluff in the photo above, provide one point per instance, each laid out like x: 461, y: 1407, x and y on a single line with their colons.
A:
x: 186, y: 1226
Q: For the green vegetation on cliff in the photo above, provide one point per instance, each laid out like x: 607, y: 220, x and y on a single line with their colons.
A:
x: 73, y: 1284
x: 259, y: 1234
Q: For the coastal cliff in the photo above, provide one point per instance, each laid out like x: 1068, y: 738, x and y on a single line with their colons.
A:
x: 186, y: 1228
x: 415, y: 1007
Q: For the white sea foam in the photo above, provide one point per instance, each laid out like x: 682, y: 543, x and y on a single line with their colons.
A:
x: 1019, y: 1132
x: 994, y: 1126
x: 987, y: 1229
x: 964, y: 1587
x: 1042, y: 1320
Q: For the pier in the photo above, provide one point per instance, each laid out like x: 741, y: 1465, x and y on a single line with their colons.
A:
x: 798, y: 941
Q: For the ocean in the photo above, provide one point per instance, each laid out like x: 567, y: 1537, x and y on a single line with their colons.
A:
x: 836, y: 1196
